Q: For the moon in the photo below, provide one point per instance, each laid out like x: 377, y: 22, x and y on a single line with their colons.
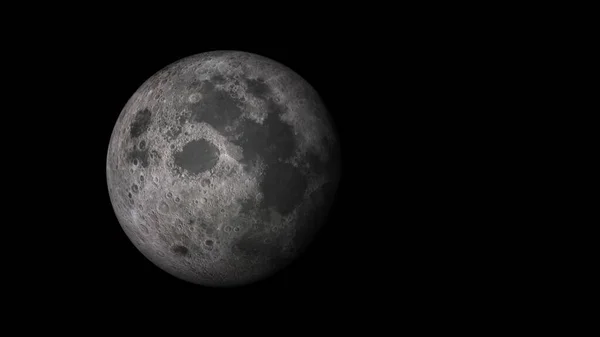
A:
x: 222, y: 167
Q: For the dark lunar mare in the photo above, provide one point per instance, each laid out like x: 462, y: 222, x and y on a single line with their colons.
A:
x: 273, y: 141
x: 197, y: 156
x: 140, y: 123
x: 314, y: 215
x: 258, y: 88
x: 283, y: 187
x: 216, y: 108
x: 141, y: 156
x: 180, y: 250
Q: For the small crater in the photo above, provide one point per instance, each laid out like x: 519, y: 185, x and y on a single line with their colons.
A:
x: 134, y: 188
x: 227, y: 229
x: 203, y: 200
x: 209, y: 242
x: 196, y: 202
x: 163, y: 207
x: 130, y: 195
x: 195, y: 98
x: 169, y: 195
x: 177, y: 199
x: 142, y: 145
x: 173, y: 133
x: 135, y: 162
x: 236, y: 229
x: 141, y: 178
x: 205, y: 182
x: 144, y: 229
x: 161, y: 254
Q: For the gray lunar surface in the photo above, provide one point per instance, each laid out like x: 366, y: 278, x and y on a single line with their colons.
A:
x: 222, y: 167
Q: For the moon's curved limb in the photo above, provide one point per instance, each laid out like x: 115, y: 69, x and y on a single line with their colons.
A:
x: 221, y: 166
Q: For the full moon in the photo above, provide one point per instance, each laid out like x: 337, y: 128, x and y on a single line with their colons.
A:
x: 222, y: 167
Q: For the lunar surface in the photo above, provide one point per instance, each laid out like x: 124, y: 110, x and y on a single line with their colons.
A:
x: 222, y: 167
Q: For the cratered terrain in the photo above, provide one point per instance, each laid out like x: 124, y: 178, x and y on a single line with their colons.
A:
x: 222, y: 167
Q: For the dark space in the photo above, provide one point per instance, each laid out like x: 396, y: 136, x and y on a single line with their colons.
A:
x: 408, y: 229
x: 107, y: 264
x: 357, y: 251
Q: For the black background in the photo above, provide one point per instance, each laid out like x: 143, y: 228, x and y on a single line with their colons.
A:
x: 391, y: 237
x: 418, y: 107
x: 93, y: 260
x: 380, y: 229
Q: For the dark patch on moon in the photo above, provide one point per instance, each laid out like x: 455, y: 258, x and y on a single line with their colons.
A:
x: 218, y: 78
x: 280, y: 134
x: 317, y: 166
x: 194, y: 85
x: 181, y: 119
x: 283, y: 187
x: 140, y: 155
x: 207, y: 228
x: 271, y: 141
x: 328, y: 167
x: 197, y: 156
x: 141, y: 123
x: 180, y: 250
x: 312, y: 217
x: 255, y: 247
x: 258, y: 88
x: 216, y: 108
x: 247, y: 205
